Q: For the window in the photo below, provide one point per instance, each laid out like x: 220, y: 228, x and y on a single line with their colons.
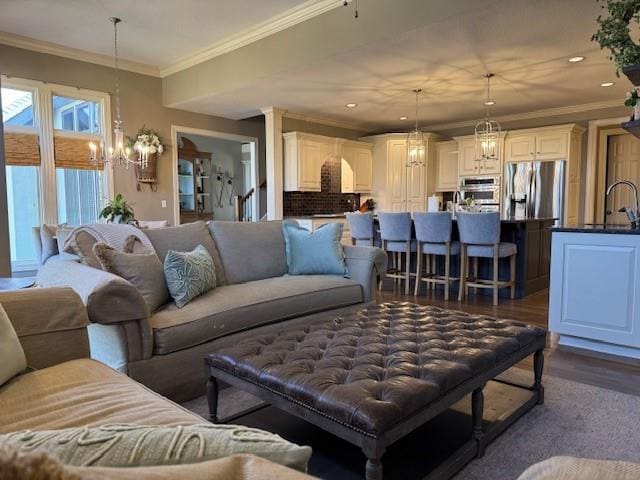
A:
x: 74, y: 191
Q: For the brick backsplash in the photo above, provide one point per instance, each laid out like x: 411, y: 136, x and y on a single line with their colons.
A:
x: 328, y: 200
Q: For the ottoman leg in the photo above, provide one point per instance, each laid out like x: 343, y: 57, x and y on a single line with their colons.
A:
x: 477, y: 412
x: 538, y: 365
x: 373, y: 469
x: 212, y: 399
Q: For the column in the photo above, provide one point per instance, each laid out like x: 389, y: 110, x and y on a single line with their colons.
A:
x: 275, y: 161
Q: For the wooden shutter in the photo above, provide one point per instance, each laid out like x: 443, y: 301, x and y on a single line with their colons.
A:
x: 73, y: 153
x: 21, y: 149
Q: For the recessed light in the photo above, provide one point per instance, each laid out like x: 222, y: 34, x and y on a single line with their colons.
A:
x: 403, y: 118
x: 576, y: 59
x: 351, y: 105
x: 489, y: 103
x: 607, y: 84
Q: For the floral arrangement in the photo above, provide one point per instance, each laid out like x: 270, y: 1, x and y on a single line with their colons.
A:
x: 146, y: 141
x: 632, y: 97
x: 613, y: 32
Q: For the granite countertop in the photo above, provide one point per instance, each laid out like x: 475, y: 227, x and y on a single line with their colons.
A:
x: 624, y: 229
x: 343, y: 215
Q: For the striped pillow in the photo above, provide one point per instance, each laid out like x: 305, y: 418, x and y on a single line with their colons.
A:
x: 189, y: 274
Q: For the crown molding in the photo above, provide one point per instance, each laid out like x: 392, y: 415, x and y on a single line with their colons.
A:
x: 50, y: 48
x: 548, y: 112
x: 289, y: 18
x: 326, y: 121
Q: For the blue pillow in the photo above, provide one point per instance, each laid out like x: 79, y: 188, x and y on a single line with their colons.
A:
x: 314, y: 253
x: 189, y: 274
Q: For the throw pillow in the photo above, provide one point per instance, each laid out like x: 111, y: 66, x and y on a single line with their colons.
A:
x: 17, y: 465
x: 126, y: 445
x: 48, y: 240
x: 143, y: 270
x: 189, y: 274
x: 81, y: 243
x: 12, y: 359
x: 314, y: 253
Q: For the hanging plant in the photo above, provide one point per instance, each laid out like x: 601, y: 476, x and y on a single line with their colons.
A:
x: 614, y: 33
x: 146, y: 140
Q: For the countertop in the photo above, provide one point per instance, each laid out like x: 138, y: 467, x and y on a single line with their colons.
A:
x: 599, y: 228
x: 343, y: 215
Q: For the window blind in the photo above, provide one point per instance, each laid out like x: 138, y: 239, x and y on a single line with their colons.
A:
x: 73, y: 153
x: 21, y: 149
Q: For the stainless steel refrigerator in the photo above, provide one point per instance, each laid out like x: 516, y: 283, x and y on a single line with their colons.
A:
x: 534, y: 190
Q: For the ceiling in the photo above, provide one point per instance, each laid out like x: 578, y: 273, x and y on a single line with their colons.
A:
x: 526, y: 44
x: 157, y: 33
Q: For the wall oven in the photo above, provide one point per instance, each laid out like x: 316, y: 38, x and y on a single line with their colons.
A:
x: 484, y: 190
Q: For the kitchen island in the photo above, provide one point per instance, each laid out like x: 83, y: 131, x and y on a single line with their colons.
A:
x: 594, y: 300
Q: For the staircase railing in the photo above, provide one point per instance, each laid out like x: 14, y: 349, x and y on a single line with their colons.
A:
x: 244, y: 206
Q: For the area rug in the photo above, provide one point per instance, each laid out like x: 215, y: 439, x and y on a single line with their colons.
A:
x: 576, y: 419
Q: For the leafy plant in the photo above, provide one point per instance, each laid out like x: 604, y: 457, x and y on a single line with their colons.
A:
x: 632, y: 98
x: 117, y: 207
x: 614, y: 35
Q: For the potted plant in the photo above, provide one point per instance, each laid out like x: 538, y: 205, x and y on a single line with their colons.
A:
x: 117, y: 210
x: 633, y: 100
x: 614, y: 33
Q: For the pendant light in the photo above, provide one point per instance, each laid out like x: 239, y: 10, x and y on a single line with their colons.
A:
x: 416, y: 147
x: 119, y: 153
x: 487, y: 132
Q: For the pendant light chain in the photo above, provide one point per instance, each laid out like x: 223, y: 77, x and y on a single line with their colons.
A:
x: 117, y: 75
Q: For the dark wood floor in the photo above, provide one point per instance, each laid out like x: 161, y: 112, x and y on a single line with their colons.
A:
x: 608, y: 372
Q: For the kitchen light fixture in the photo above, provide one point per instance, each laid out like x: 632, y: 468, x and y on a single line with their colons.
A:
x: 416, y: 148
x: 487, y: 132
x: 576, y: 59
x: 351, y: 105
x: 119, y: 154
x: 403, y: 118
x: 607, y: 84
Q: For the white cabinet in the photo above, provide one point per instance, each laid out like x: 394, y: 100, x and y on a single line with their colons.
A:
x: 396, y: 187
x: 543, y: 145
x: 594, y: 299
x: 359, y: 157
x: 305, y: 153
x: 447, y: 166
x: 467, y: 159
x: 304, y: 156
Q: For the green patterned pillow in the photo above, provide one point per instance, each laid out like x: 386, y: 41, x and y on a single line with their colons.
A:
x: 127, y: 445
x: 189, y: 274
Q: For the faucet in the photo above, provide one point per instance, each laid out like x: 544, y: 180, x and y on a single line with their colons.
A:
x: 632, y: 214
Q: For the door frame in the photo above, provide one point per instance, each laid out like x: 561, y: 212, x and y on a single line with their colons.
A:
x: 177, y: 129
x: 596, y: 175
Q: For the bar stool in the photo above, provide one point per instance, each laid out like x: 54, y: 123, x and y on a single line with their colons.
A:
x: 480, y: 238
x: 396, y: 232
x: 433, y: 235
x: 361, y: 228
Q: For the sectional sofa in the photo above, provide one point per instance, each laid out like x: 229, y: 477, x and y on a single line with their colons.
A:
x: 164, y: 350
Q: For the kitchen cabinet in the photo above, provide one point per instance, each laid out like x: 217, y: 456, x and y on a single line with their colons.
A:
x: 396, y: 187
x: 561, y: 142
x: 359, y: 157
x: 304, y: 155
x: 447, y: 166
x: 467, y: 163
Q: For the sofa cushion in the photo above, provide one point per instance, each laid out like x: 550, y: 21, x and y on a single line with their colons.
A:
x: 250, y: 251
x: 80, y: 393
x: 143, y: 270
x: 314, y: 253
x: 234, y: 308
x: 189, y: 274
x: 184, y: 238
x: 130, y: 445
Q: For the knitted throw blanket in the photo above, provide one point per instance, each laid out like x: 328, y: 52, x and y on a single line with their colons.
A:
x: 113, y: 234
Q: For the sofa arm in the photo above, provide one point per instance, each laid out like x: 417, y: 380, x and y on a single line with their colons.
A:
x: 365, y: 264
x: 108, y: 298
x: 51, y: 324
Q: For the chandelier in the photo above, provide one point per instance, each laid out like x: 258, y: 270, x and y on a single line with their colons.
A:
x: 487, y: 132
x: 416, y: 147
x: 119, y: 154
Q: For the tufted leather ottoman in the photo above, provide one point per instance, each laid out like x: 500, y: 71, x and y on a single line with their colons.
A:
x: 374, y: 375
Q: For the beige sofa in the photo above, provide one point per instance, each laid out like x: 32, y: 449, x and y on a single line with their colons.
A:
x: 165, y: 349
x: 67, y: 389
